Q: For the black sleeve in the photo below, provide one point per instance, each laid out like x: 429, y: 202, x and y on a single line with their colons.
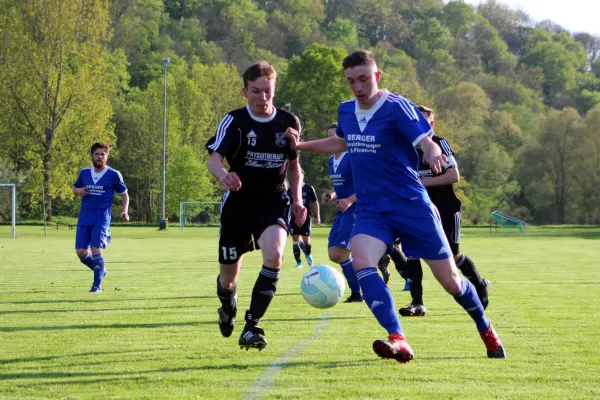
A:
x: 225, y: 138
x: 312, y: 194
x: 293, y: 154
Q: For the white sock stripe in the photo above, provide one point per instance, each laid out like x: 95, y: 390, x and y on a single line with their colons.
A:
x: 346, y: 263
x: 221, y: 130
x: 363, y: 273
x: 270, y: 274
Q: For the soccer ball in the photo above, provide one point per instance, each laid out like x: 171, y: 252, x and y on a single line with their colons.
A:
x: 322, y: 286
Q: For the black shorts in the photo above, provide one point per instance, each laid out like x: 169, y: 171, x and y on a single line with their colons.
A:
x: 245, y: 217
x: 451, y: 225
x: 303, y: 230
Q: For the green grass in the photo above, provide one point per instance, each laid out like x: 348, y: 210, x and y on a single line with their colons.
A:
x: 153, y: 334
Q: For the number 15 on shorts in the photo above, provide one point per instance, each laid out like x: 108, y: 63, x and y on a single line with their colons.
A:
x: 229, y: 255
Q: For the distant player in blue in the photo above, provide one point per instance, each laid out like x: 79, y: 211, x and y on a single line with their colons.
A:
x: 340, y: 173
x: 380, y: 131
x: 97, y: 186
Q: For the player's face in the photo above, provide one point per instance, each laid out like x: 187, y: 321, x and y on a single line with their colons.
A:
x: 363, y: 81
x: 260, y: 96
x: 99, y: 158
x: 426, y: 115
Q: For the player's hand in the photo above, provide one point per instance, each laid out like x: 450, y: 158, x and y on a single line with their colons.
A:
x: 326, y: 197
x: 125, y: 216
x: 343, y: 204
x: 82, y: 192
x: 293, y: 136
x: 434, y: 157
x: 299, y: 212
x: 231, y: 181
x: 317, y: 220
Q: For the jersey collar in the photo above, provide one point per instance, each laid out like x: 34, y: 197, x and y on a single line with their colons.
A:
x: 260, y: 119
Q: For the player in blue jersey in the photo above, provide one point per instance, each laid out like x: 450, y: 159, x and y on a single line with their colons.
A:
x: 380, y: 131
x: 97, y: 185
x: 340, y: 173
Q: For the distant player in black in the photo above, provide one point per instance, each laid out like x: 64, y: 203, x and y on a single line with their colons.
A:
x: 255, y: 208
x: 310, y: 202
x: 440, y: 190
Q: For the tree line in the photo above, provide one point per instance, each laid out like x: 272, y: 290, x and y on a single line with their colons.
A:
x: 519, y: 100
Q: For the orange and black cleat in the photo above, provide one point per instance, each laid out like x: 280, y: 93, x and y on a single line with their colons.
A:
x: 492, y: 343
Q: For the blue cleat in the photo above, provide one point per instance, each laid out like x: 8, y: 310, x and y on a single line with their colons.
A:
x: 95, y: 289
x: 105, y: 273
x: 406, y: 286
x: 309, y: 260
x: 299, y: 265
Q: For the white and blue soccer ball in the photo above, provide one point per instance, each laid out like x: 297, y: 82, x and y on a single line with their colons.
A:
x: 323, y: 286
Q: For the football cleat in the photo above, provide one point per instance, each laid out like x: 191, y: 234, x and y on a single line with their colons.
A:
x: 492, y: 343
x: 395, y: 347
x: 406, y: 286
x: 105, y: 273
x: 482, y: 292
x: 252, y: 338
x: 299, y: 265
x: 227, y: 321
x: 95, y: 289
x: 383, y: 267
x: 413, y: 310
x: 354, y: 298
x: 309, y: 260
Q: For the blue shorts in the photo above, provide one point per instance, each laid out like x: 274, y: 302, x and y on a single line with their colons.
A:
x: 341, y: 230
x: 417, y: 226
x: 92, y: 236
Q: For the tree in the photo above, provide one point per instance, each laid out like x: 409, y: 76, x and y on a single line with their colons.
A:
x: 54, y: 73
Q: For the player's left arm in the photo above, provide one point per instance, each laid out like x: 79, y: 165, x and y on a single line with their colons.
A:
x: 294, y: 175
x: 314, y: 206
x: 121, y: 189
x: 450, y: 174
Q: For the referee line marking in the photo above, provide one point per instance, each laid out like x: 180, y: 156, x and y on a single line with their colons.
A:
x: 263, y: 384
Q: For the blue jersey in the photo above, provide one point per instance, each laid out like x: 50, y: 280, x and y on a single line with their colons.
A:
x: 381, y: 143
x: 340, y: 173
x: 101, y: 187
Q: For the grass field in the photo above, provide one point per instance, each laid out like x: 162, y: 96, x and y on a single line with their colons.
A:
x: 153, y: 333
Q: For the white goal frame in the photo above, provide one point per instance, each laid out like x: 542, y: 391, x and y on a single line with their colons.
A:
x: 182, y: 206
x: 13, y: 205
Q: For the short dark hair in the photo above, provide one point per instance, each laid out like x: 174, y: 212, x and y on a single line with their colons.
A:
x: 99, y: 145
x: 332, y: 126
x: 258, y: 69
x: 361, y: 57
x: 427, y: 110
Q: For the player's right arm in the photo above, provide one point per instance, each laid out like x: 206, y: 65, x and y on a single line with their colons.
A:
x: 328, y: 196
x: 218, y: 146
x: 329, y: 145
x: 79, y: 188
x: 344, y: 204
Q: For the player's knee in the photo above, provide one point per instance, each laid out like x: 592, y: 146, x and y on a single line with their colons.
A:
x: 452, y: 283
x: 273, y: 258
x: 81, y: 253
x: 335, y: 255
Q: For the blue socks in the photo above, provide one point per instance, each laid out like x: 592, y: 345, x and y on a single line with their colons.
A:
x: 87, y: 261
x: 469, y: 300
x: 98, y: 267
x: 379, y: 299
x: 350, y: 275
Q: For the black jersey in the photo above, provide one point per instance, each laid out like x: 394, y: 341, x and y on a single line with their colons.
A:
x: 309, y: 196
x: 443, y: 197
x: 256, y: 149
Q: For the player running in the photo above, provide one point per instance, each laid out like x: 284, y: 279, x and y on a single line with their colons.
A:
x: 340, y: 173
x: 380, y: 130
x: 253, y: 141
x: 97, y: 185
x: 441, y: 192
x: 310, y: 202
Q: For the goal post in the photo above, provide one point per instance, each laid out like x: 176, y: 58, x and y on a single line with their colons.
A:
x: 199, y: 213
x: 13, y: 207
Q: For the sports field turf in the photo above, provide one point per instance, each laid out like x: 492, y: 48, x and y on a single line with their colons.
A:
x: 153, y: 332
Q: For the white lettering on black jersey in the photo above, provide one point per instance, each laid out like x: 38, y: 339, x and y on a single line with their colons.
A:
x: 443, y: 196
x: 256, y: 149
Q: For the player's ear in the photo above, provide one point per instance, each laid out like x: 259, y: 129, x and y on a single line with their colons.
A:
x: 432, y: 123
x: 378, y: 76
x: 245, y: 92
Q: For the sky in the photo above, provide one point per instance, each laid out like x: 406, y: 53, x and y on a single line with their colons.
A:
x: 574, y: 15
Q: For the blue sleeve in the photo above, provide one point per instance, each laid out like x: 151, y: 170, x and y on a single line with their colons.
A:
x: 410, y: 122
x: 79, y: 182
x: 119, y: 185
x: 224, y: 137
